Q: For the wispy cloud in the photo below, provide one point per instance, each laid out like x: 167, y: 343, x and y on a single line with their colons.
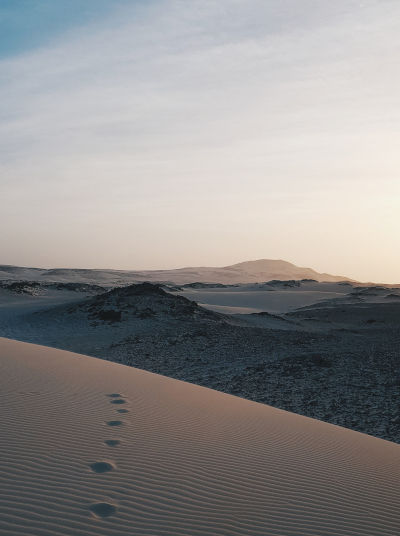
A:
x: 202, y: 114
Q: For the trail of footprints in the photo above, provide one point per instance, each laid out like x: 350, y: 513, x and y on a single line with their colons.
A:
x: 104, y: 509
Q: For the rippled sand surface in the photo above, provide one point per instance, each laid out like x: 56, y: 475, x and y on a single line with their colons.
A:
x: 94, y: 448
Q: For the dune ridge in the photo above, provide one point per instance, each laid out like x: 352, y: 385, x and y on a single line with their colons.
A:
x: 179, y: 460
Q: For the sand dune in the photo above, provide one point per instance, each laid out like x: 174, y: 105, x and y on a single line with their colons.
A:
x: 94, y: 448
x: 253, y: 298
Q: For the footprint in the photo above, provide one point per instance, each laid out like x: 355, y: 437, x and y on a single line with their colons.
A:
x: 112, y: 442
x: 123, y: 410
x: 114, y: 395
x: 114, y: 423
x: 118, y: 401
x: 101, y: 467
x: 103, y: 509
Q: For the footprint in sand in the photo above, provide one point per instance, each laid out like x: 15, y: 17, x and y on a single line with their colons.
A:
x: 101, y: 467
x: 118, y: 401
x: 115, y: 423
x: 112, y: 442
x: 103, y: 509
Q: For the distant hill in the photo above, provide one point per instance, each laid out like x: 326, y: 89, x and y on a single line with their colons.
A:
x: 244, y: 272
x: 267, y: 270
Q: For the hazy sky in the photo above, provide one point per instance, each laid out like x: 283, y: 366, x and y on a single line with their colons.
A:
x: 157, y: 134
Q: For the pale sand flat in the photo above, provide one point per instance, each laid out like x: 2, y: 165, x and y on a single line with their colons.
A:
x: 184, y: 460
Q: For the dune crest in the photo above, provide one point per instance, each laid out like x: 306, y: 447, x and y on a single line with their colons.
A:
x: 183, y: 460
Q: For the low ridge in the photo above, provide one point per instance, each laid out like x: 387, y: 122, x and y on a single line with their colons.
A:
x: 244, y: 272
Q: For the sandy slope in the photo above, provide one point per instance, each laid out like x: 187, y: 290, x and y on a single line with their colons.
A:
x: 190, y: 461
x: 251, y: 298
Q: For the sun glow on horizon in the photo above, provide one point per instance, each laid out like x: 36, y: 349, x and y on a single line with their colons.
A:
x: 166, y: 134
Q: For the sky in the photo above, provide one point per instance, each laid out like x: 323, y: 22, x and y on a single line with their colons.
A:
x: 141, y: 134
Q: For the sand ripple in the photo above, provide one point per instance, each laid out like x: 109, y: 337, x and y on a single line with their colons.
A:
x: 183, y: 460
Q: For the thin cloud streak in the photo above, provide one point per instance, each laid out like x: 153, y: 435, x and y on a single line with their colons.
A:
x: 242, y: 107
